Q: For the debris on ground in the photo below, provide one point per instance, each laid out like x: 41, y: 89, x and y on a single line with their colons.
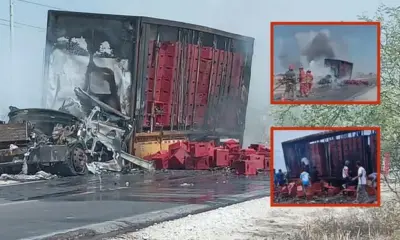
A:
x: 100, y: 167
x: 41, y: 175
x: 319, y: 192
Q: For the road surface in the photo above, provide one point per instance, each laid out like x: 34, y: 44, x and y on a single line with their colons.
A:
x: 113, y: 204
x: 344, y: 93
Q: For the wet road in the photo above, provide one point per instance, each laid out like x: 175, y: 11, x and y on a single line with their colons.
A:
x: 44, y: 208
x: 348, y: 92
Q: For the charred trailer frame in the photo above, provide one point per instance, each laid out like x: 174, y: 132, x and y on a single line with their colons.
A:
x: 327, y: 151
x: 186, y: 81
x: 340, y: 68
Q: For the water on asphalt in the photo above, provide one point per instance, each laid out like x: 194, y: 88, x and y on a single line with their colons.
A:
x: 34, y: 209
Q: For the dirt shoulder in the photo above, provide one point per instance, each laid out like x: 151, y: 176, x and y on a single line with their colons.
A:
x: 255, y: 219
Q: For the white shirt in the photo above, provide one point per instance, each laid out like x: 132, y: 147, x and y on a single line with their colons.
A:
x: 373, y: 176
x: 345, y: 168
x: 363, y: 179
x: 305, y: 177
x: 305, y: 161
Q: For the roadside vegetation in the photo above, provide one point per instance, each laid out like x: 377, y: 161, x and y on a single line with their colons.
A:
x: 362, y: 223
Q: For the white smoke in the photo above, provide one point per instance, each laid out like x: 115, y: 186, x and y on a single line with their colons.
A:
x: 325, y: 47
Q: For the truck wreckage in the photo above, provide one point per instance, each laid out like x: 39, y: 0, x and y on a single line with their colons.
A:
x: 69, y: 141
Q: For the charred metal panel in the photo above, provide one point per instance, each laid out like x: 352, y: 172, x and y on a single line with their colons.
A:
x: 48, y: 154
x: 13, y: 133
x: 93, y: 52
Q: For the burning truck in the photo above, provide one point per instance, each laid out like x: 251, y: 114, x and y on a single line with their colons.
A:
x: 124, y: 88
x: 339, y: 68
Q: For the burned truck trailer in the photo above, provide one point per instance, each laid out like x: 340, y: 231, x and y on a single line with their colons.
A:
x: 339, y: 68
x: 174, y: 80
x: 327, y: 151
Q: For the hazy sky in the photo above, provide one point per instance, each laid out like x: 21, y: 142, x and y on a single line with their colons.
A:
x: 282, y: 136
x: 244, y: 17
x: 357, y: 43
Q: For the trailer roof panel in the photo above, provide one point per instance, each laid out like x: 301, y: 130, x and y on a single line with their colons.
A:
x: 319, y: 136
x: 150, y: 20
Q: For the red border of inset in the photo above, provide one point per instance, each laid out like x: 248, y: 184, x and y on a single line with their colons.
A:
x: 378, y: 63
x: 378, y: 163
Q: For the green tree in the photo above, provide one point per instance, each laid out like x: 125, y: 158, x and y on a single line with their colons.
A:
x: 386, y: 115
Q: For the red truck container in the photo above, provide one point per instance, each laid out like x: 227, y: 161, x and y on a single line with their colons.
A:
x: 327, y: 151
x: 166, y: 75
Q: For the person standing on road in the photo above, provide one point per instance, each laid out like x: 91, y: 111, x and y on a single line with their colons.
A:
x: 289, y: 79
x: 280, y: 178
x: 345, y: 174
x: 362, y: 195
x: 302, y: 82
x: 309, y: 81
x: 305, y: 181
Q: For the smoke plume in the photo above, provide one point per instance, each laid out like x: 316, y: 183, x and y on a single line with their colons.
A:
x: 319, y: 47
x: 311, y: 47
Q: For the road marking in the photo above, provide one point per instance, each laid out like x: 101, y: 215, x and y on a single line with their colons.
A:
x: 21, y: 183
x: 17, y: 202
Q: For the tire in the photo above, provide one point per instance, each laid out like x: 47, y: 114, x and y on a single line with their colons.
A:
x: 75, y: 161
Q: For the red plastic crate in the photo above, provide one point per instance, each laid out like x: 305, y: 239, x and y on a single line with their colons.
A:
x: 245, y: 167
x: 168, y: 48
x: 175, y: 146
x: 160, y: 96
x: 259, y: 160
x: 222, y: 158
x: 207, y: 52
x: 199, y: 149
x: 198, y: 163
x: 168, y: 61
x: 162, y: 84
x: 178, y: 159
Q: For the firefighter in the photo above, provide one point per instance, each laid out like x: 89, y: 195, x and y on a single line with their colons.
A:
x: 290, y: 83
x: 309, y: 81
x: 302, y: 81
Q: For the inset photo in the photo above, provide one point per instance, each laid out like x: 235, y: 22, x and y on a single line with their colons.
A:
x: 325, y: 62
x: 325, y: 166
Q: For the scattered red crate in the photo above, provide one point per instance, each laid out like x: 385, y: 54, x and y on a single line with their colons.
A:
x: 205, y: 155
x: 222, y: 158
x: 356, y: 82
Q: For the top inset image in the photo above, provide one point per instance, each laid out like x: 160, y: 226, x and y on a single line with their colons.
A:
x: 325, y: 63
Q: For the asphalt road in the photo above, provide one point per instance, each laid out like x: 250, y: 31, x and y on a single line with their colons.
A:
x: 344, y: 93
x: 112, y: 204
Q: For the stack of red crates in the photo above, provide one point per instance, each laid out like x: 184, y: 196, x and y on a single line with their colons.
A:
x: 335, y: 147
x: 318, y: 157
x: 167, y: 59
x: 214, y: 67
x: 373, y: 150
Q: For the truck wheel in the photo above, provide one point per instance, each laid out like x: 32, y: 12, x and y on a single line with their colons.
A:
x: 75, y: 162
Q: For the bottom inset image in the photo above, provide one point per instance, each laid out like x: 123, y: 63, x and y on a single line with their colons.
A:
x: 325, y: 166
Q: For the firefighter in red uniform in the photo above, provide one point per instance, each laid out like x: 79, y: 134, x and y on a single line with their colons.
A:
x: 309, y: 81
x: 302, y: 81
